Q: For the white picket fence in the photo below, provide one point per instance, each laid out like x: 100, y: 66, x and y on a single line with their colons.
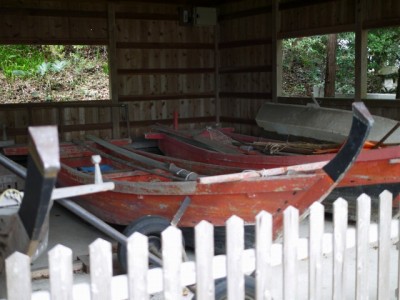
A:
x: 269, y: 262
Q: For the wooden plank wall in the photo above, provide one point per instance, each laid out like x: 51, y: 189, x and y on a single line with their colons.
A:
x: 301, y: 18
x: 53, y: 22
x: 164, y: 67
x: 242, y: 22
x: 74, y: 119
x: 304, y: 18
x: 382, y: 13
x: 244, y: 61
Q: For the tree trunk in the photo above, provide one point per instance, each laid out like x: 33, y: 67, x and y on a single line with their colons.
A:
x: 398, y: 85
x: 330, y: 74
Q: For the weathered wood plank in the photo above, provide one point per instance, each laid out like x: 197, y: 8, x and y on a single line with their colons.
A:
x: 276, y: 49
x: 315, y: 251
x: 60, y: 265
x: 101, y: 269
x: 113, y: 66
x: 19, y: 285
x: 361, y: 53
x: 234, y: 261
x: 321, y: 18
x: 290, y: 248
x: 172, y: 259
x: 339, y: 249
x: 385, y: 217
x: 138, y: 261
x: 204, y: 242
x: 398, y: 269
x: 363, y: 225
x: 263, y: 254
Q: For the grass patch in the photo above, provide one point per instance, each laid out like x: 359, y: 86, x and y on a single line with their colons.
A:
x: 20, y: 60
x: 37, y: 73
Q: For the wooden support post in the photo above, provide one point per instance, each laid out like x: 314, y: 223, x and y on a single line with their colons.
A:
x: 361, y: 54
x: 30, y: 117
x: 60, y: 123
x: 216, y: 74
x: 398, y: 85
x: 112, y: 64
x: 330, y: 73
x: 276, y: 51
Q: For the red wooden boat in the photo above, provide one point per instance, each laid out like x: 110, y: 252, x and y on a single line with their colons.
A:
x: 214, y: 198
x: 374, y: 170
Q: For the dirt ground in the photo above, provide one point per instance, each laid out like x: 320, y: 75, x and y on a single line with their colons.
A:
x: 88, y: 84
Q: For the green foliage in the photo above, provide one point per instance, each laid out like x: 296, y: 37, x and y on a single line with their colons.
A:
x: 106, y: 69
x: 306, y: 52
x: 43, y: 68
x: 304, y: 61
x: 28, y: 61
x: 383, y: 48
x: 304, y: 64
x: 20, y: 60
x: 53, y: 72
x: 54, y: 51
x: 58, y: 65
x: 345, y: 63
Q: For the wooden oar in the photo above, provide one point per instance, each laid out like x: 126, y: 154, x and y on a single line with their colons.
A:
x: 187, y: 175
x: 262, y: 173
x: 121, y: 161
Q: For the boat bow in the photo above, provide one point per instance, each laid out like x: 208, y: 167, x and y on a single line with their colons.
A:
x: 360, y: 127
x: 335, y: 168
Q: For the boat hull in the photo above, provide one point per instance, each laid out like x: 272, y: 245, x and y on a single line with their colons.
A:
x: 326, y: 124
x: 135, y: 196
x: 373, y: 167
x: 141, y: 192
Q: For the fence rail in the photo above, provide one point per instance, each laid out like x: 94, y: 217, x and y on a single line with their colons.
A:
x: 278, y: 268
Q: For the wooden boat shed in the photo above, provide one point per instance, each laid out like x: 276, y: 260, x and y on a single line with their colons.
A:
x: 206, y: 60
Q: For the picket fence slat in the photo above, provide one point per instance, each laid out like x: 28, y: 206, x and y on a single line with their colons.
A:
x: 315, y: 249
x: 363, y: 224
x: 339, y: 251
x: 60, y: 270
x: 18, y: 277
x: 263, y: 254
x: 263, y: 261
x: 385, y: 216
x: 101, y: 270
x: 234, y: 252
x: 290, y: 243
x: 138, y: 262
x: 204, y: 242
x: 172, y: 259
x: 398, y: 264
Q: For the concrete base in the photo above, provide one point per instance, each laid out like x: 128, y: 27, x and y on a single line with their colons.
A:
x: 72, y: 232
